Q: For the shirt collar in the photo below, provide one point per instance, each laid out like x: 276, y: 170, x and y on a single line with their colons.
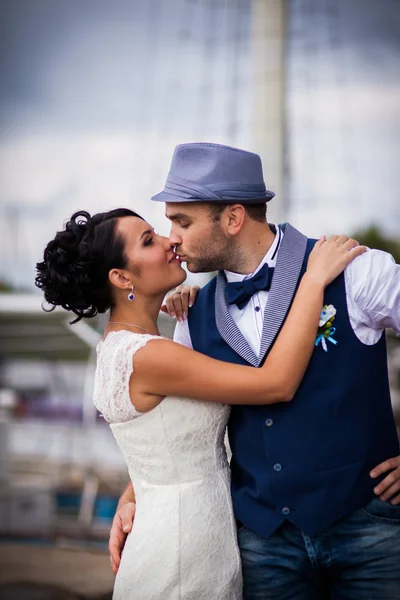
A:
x: 269, y: 258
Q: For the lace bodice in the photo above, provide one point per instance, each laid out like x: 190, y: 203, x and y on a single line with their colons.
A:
x: 180, y: 439
x: 113, y: 372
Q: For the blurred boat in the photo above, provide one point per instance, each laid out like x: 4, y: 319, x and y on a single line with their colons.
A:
x: 61, y: 471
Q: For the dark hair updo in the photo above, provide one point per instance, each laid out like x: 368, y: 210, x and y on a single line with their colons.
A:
x: 75, y: 267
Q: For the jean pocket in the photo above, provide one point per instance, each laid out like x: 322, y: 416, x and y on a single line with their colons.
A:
x: 382, y: 511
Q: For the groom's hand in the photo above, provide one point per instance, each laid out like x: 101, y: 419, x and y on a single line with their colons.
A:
x: 179, y: 301
x: 390, y: 486
x: 121, y: 526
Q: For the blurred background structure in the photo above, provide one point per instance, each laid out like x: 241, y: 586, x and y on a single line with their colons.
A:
x: 94, y: 97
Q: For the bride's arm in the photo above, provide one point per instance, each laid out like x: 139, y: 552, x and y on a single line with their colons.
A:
x: 169, y: 369
x: 165, y: 368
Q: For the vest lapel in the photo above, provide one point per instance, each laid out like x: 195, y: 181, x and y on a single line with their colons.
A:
x: 227, y: 327
x: 284, y: 282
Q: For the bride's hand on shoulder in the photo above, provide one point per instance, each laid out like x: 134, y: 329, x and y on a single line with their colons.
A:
x: 179, y: 301
x: 331, y: 256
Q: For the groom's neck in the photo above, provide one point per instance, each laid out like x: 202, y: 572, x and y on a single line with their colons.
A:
x: 255, y: 240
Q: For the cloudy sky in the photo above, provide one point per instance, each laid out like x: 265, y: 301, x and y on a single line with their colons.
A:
x: 343, y: 108
x: 95, y: 95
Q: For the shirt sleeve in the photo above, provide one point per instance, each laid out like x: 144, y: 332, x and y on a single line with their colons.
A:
x: 182, y: 334
x: 373, y: 285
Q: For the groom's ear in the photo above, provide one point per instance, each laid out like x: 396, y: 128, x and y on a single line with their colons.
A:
x: 233, y: 218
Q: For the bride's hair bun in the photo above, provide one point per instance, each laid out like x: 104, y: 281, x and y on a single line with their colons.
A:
x: 76, y: 263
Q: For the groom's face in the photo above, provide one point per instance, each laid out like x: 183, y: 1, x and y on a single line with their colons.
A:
x: 200, y: 240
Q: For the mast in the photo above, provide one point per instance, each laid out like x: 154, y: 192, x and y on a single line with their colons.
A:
x: 268, y: 47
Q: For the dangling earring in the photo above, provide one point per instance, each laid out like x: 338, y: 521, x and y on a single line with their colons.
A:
x: 131, y: 295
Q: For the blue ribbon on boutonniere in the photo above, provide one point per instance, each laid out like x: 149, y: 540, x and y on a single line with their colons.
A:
x: 326, y: 336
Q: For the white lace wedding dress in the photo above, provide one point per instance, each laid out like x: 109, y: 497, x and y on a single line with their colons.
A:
x: 183, y: 542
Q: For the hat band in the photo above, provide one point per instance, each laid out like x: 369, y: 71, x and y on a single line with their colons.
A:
x: 189, y: 190
x: 183, y: 188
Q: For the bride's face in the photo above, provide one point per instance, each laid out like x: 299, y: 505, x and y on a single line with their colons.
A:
x: 152, y: 263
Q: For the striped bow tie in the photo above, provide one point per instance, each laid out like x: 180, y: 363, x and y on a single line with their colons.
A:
x: 240, y: 292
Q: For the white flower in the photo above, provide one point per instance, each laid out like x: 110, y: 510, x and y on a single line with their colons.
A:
x: 327, y: 313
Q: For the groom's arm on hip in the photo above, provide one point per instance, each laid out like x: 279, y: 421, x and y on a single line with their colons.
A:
x: 373, y: 284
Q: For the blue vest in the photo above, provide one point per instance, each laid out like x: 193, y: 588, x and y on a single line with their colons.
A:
x: 307, y: 461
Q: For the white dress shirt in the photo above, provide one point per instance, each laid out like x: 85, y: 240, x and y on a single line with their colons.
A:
x: 372, y: 293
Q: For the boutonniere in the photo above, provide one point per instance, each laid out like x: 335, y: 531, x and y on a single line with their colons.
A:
x: 325, y: 327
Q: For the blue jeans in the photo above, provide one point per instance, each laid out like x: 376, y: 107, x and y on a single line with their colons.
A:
x: 356, y: 558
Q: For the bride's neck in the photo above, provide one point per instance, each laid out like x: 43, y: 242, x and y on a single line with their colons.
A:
x: 138, y: 312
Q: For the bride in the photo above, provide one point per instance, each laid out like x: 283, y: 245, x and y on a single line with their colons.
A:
x: 168, y: 406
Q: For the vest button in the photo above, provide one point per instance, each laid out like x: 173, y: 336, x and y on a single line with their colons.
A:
x: 286, y: 510
x: 277, y: 467
x: 269, y: 422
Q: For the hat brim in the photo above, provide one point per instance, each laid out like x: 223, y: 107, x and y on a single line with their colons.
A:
x: 168, y: 197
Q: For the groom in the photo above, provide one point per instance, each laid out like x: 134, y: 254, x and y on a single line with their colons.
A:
x: 310, y: 524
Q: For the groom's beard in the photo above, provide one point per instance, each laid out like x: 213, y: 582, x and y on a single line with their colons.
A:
x: 214, y: 255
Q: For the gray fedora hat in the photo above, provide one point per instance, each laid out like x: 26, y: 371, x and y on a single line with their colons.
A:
x: 204, y: 172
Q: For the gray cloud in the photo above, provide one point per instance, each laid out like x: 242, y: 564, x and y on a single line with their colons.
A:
x: 96, y: 94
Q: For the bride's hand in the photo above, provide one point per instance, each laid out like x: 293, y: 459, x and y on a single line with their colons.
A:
x: 330, y: 257
x: 180, y: 300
